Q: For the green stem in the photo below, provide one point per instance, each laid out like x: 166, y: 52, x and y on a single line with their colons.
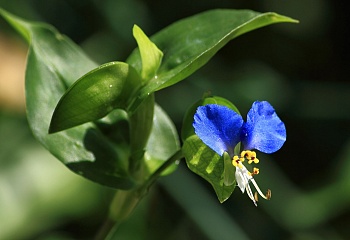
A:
x: 149, y: 182
x: 107, y: 229
x: 124, y: 202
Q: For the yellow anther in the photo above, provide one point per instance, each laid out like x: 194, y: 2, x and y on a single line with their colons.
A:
x: 250, y: 156
x: 268, y: 194
x: 244, y: 177
x: 255, y: 160
x: 256, y: 198
x: 236, y: 162
x: 255, y: 172
x: 244, y: 154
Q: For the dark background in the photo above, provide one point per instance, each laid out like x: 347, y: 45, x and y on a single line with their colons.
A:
x: 301, y: 69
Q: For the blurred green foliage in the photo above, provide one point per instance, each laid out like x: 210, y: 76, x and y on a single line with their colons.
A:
x: 301, y: 69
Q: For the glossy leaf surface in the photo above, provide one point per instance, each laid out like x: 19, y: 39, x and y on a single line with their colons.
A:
x: 54, y: 63
x: 99, y: 151
x: 190, y: 43
x: 94, y: 95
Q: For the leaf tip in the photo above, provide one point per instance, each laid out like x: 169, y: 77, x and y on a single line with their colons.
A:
x: 52, y: 130
x: 54, y: 127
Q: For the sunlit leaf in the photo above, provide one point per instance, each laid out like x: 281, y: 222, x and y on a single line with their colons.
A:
x: 151, y: 56
x: 94, y: 95
x: 190, y: 43
x: 206, y: 163
x: 54, y: 63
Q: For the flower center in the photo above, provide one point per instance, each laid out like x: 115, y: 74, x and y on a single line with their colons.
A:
x: 244, y: 177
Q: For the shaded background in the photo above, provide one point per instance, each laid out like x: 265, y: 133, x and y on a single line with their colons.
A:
x: 302, y: 70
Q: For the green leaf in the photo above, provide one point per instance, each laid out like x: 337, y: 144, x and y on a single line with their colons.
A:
x: 94, y: 95
x: 151, y: 56
x: 229, y: 170
x: 202, y: 160
x: 190, y: 43
x: 206, y: 163
x: 54, y: 63
x: 162, y: 143
x: 141, y: 123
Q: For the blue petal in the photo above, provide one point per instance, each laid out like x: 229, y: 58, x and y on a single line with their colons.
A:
x: 263, y: 130
x: 219, y: 127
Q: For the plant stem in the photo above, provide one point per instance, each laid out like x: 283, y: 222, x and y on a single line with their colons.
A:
x: 124, y: 202
x: 148, y: 183
x: 106, y: 230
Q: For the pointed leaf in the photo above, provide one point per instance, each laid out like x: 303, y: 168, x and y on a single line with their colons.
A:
x: 190, y: 43
x: 151, y: 56
x: 54, y: 63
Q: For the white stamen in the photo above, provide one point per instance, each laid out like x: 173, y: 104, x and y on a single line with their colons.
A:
x: 243, y: 178
x: 257, y: 188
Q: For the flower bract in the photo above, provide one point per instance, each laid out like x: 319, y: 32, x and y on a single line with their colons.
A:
x: 221, y: 129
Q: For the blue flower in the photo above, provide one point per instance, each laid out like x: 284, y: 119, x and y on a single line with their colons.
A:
x: 221, y: 129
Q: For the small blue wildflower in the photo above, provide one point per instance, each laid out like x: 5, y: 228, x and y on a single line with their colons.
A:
x: 221, y: 129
